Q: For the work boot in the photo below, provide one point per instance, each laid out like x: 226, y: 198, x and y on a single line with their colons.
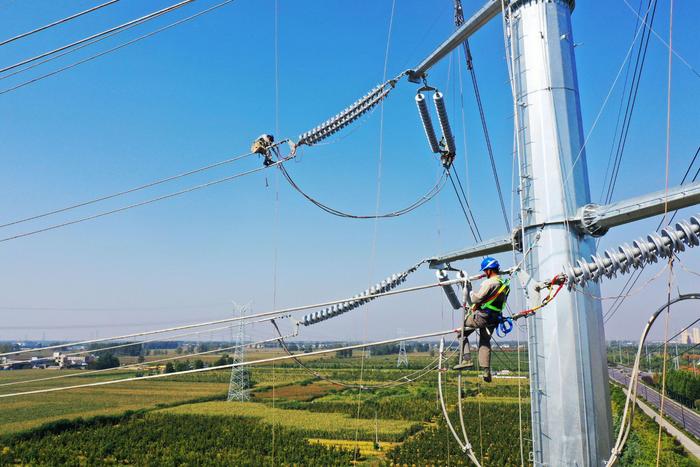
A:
x: 486, y: 375
x: 465, y: 365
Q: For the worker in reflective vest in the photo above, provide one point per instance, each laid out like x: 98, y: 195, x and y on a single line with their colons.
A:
x: 484, y: 315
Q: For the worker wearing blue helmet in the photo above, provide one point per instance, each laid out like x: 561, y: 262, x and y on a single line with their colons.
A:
x: 484, y: 314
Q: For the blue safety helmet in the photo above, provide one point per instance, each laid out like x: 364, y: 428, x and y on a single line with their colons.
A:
x: 489, y: 263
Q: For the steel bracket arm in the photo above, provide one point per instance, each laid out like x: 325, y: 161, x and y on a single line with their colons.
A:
x: 596, y: 220
x: 470, y: 26
x: 489, y: 247
x: 591, y: 219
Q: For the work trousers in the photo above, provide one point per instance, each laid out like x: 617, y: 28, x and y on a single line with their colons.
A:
x: 486, y: 324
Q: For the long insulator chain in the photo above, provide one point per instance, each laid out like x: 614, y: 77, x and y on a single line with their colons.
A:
x: 358, y: 300
x: 444, y: 123
x: 663, y: 245
x: 427, y: 122
x: 349, y: 115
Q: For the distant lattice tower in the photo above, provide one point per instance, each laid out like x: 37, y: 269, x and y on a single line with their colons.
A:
x: 403, y: 356
x: 239, y: 386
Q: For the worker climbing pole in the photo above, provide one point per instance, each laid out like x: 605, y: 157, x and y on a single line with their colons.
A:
x: 483, y: 311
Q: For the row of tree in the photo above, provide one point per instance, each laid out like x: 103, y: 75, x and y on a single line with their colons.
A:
x: 684, y: 387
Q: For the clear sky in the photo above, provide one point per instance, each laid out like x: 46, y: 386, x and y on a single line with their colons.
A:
x: 202, y: 91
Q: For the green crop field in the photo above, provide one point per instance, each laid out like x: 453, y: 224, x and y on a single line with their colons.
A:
x: 293, y: 418
x: 313, y: 424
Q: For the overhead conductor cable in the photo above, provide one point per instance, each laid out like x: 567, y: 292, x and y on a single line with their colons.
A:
x: 427, y: 123
x: 57, y: 22
x: 99, y: 34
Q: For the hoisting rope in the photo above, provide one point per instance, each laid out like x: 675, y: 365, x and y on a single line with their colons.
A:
x: 465, y: 445
x: 631, y: 400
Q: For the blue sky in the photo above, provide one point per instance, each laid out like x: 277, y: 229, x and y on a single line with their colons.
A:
x: 200, y: 93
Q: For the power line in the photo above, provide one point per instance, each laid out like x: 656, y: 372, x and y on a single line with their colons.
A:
x: 674, y: 336
x: 336, y: 212
x: 668, y: 46
x: 100, y: 54
x: 128, y: 191
x: 472, y: 228
x: 275, y: 313
x: 142, y: 203
x: 631, y: 102
x: 459, y: 20
x: 57, y: 22
x: 230, y: 365
x: 142, y: 19
x: 145, y: 364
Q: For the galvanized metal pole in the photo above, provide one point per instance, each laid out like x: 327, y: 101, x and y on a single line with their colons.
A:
x: 568, y: 366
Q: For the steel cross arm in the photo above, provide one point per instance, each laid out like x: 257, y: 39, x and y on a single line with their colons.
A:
x: 489, y: 247
x: 595, y: 220
x: 470, y: 26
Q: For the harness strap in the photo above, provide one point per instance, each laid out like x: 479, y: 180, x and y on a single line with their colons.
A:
x: 503, y: 289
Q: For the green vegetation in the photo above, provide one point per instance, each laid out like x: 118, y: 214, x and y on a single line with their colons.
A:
x: 312, y: 424
x: 183, y: 420
x: 165, y: 439
x: 684, y: 387
x: 492, y: 430
x: 640, y: 449
x: 104, y: 361
x: 24, y: 412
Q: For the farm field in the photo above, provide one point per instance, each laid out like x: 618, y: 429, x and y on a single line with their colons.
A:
x: 292, y: 417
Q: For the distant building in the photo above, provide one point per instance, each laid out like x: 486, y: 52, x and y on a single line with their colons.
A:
x: 72, y: 361
x: 696, y: 335
x: 685, y: 338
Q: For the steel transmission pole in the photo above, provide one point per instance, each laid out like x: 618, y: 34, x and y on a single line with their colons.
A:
x: 568, y: 365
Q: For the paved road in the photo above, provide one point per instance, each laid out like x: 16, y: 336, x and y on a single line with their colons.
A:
x: 683, y: 416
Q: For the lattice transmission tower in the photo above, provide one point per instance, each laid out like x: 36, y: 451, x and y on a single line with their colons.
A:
x: 239, y: 385
x: 403, y: 356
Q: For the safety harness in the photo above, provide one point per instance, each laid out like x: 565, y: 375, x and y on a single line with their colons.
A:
x: 505, y: 324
